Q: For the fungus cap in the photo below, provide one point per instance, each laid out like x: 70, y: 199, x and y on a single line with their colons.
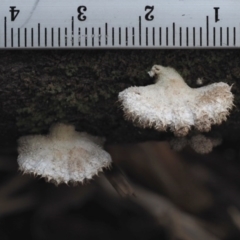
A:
x: 171, y: 103
x: 62, y: 156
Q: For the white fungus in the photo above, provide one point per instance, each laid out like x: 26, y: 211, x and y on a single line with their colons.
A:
x: 171, y: 103
x: 178, y: 143
x: 200, y: 81
x: 63, y: 156
x: 199, y: 143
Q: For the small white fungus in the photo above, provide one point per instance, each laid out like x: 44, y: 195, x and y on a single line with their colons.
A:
x: 178, y: 143
x: 199, y: 81
x: 64, y: 155
x: 171, y: 103
x: 199, y: 143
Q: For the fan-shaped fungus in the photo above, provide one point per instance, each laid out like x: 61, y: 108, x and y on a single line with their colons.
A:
x: 62, y: 156
x: 171, y: 103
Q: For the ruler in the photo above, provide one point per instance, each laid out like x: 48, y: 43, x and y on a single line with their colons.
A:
x: 126, y: 24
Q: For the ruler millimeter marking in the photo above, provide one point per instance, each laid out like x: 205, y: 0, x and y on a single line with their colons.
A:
x: 119, y: 24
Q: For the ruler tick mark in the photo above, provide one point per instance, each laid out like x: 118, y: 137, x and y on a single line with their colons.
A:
x: 220, y: 36
x: 173, y: 27
x: 194, y: 37
x: 12, y: 37
x: 153, y: 36
x: 234, y: 36
x: 167, y: 36
x: 160, y: 36
x: 25, y: 37
x: 72, y: 31
x: 120, y: 36
x: 180, y: 36
x: 5, y: 31
x: 146, y: 36
x: 187, y: 36
x: 45, y: 37
x: 79, y: 36
x: 32, y: 37
x: 18, y: 37
x: 200, y: 36
x: 52, y: 33
x: 126, y: 36
x: 59, y: 37
x: 227, y: 36
x: 39, y: 34
x: 207, y: 26
x: 99, y: 36
x: 133, y: 36
x: 214, y: 36
x: 112, y: 36
x: 93, y: 37
x: 106, y: 34
x: 86, y: 37
x: 66, y: 37
x: 140, y: 31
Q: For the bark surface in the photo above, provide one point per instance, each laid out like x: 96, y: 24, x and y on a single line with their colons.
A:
x: 39, y: 88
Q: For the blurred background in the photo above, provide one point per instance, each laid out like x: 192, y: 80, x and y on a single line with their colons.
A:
x: 152, y: 192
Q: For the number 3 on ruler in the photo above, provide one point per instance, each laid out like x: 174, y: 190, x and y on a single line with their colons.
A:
x: 81, y: 10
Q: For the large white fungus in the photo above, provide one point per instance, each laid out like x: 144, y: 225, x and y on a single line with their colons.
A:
x: 171, y: 103
x: 63, y: 156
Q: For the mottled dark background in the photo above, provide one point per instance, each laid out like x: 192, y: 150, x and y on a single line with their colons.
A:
x: 38, y: 88
x: 182, y: 195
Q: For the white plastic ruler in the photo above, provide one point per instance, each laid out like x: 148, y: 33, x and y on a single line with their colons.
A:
x: 28, y: 24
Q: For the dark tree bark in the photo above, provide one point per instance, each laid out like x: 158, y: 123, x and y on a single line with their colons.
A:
x: 38, y: 88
